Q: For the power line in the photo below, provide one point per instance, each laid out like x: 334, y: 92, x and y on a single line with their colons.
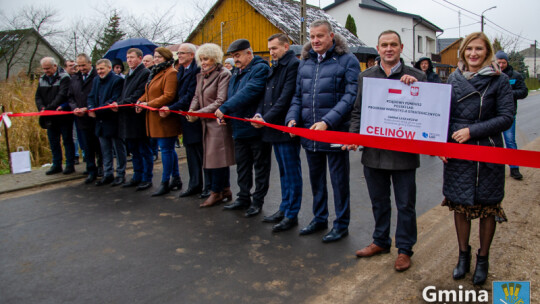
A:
x: 455, y: 27
x: 461, y: 8
x: 519, y: 36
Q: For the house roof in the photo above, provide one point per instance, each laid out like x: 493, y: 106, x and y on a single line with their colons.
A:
x: 443, y: 43
x: 458, y: 41
x: 7, y: 37
x: 529, y: 52
x: 384, y: 7
x: 285, y: 15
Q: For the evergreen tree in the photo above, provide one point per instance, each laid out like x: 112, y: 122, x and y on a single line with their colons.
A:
x: 517, y: 61
x: 497, y: 45
x: 111, y: 34
x: 351, y: 25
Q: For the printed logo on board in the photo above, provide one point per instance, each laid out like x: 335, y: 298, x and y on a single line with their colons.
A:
x: 415, y: 91
x: 511, y: 292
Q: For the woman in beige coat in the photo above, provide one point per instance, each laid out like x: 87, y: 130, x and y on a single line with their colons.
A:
x: 210, y: 94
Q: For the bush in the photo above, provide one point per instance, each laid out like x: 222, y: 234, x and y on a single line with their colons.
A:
x: 532, y: 84
x: 18, y: 96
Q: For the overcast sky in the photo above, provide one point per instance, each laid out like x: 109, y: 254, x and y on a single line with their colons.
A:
x: 519, y: 17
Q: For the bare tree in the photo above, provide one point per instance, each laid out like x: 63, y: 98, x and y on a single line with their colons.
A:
x: 161, y: 26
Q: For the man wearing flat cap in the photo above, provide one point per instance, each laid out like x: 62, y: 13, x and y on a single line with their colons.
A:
x: 246, y: 89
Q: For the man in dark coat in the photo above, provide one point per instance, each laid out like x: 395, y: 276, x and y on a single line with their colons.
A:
x: 191, y: 132
x: 326, y: 88
x: 273, y: 108
x: 52, y: 94
x: 425, y: 65
x: 520, y: 91
x: 132, y: 126
x: 246, y: 89
x: 384, y: 167
x: 80, y: 86
x: 105, y: 90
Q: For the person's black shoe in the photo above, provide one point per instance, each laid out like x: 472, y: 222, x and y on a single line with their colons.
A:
x: 205, y: 193
x: 176, y: 184
x: 481, y: 270
x: 69, y: 170
x: 76, y: 161
x: 314, y: 227
x: 54, y: 170
x: 463, y: 265
x: 163, y: 189
x: 85, y: 172
x: 144, y: 185
x: 253, y: 210
x: 100, y: 172
x: 514, y: 172
x: 190, y: 192
x: 236, y: 205
x: 105, y: 180
x: 285, y: 224
x: 90, y: 179
x: 274, y: 218
x: 131, y: 183
x: 119, y: 180
x: 335, y: 235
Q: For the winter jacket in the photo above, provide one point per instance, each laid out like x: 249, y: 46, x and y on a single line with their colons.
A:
x: 79, y: 90
x: 431, y: 75
x: 280, y: 89
x: 187, y: 82
x: 104, y: 92
x: 52, y: 92
x: 161, y: 91
x: 130, y: 123
x: 484, y: 104
x: 246, y: 89
x: 380, y: 158
x: 519, y: 89
x: 325, y: 91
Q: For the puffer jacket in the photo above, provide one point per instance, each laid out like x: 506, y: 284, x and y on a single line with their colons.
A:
x: 484, y: 104
x: 246, y: 89
x: 325, y: 91
x: 519, y: 88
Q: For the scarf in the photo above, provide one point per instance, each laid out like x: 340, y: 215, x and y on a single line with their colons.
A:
x: 489, y: 70
x: 208, y: 71
x: 158, y: 68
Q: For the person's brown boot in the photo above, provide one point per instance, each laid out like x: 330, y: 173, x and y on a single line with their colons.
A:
x: 403, y: 262
x: 214, y: 199
x: 371, y: 250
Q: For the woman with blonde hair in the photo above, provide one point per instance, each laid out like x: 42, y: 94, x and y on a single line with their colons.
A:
x: 210, y: 94
x: 161, y: 91
x: 481, y: 109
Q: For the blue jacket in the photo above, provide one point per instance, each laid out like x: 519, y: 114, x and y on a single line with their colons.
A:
x: 104, y: 92
x: 246, y: 89
x: 187, y: 82
x: 325, y: 91
x: 484, y: 104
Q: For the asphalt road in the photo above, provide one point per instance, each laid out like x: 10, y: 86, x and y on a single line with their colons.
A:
x: 83, y: 244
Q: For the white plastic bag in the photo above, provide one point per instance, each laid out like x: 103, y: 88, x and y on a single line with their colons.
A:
x: 20, y: 161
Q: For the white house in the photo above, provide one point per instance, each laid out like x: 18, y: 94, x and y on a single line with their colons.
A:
x: 529, y: 60
x: 375, y: 16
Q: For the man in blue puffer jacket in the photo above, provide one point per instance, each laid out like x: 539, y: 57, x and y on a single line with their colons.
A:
x: 246, y: 89
x: 326, y: 89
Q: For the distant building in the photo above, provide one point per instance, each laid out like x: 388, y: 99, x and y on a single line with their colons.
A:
x: 21, y: 50
x: 375, y: 16
x: 256, y: 20
x: 449, y: 58
x: 529, y: 55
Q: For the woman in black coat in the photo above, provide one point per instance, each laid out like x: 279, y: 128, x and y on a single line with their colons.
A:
x: 481, y: 109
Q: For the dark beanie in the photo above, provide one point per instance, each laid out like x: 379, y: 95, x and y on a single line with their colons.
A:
x: 501, y: 55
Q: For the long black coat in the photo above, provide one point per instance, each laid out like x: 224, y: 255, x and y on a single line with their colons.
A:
x: 131, y: 124
x: 78, y: 96
x: 53, y: 93
x: 280, y: 89
x: 187, y: 83
x: 484, y: 104
x: 104, y: 92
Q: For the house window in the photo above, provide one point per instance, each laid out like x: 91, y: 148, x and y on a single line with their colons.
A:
x: 420, y: 47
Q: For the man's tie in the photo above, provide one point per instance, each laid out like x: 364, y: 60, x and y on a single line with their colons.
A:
x: 84, y: 77
x: 320, y: 57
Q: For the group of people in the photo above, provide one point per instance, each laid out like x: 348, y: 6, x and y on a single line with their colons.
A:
x: 321, y: 91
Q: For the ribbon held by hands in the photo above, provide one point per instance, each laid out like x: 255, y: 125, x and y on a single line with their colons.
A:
x: 451, y: 150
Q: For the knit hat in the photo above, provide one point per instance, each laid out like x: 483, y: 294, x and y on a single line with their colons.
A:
x: 501, y: 55
x: 229, y: 61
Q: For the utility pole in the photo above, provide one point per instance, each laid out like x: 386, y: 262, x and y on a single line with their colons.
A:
x: 535, y: 59
x: 303, y: 34
x: 482, y: 17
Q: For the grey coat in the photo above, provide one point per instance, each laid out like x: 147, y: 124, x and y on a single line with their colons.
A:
x: 485, y: 105
x: 379, y: 158
x: 210, y: 94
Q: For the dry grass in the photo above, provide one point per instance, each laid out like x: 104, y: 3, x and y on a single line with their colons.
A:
x: 17, y: 96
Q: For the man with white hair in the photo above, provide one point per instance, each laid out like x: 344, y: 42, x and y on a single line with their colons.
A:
x: 106, y: 90
x: 52, y: 94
